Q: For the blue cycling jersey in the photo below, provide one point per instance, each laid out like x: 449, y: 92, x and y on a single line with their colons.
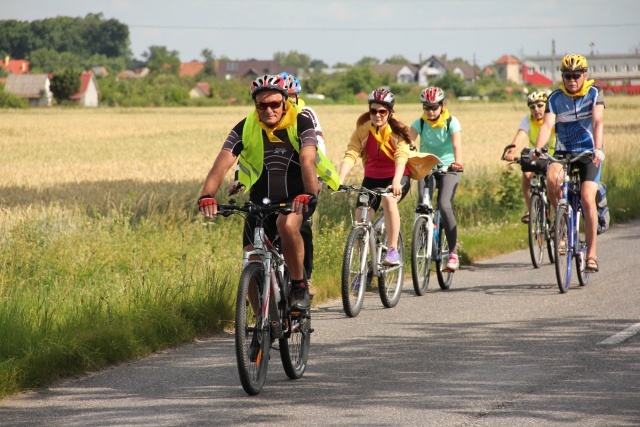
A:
x: 574, y: 125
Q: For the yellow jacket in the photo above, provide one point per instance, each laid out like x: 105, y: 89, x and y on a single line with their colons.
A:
x: 396, y: 148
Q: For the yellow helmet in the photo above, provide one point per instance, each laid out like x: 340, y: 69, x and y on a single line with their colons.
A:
x: 573, y: 63
x: 536, y: 97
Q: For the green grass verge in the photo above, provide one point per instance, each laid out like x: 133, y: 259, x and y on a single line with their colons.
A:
x: 83, y: 288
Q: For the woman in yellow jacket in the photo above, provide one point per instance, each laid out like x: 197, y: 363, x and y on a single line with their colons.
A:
x: 382, y: 141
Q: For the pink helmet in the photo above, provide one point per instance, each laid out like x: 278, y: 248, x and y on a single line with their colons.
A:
x: 432, y: 95
x: 269, y: 82
x: 382, y: 96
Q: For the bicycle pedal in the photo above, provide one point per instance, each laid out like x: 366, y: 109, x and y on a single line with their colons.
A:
x: 311, y: 330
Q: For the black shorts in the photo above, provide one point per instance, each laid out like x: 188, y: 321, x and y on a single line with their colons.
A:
x: 372, y: 183
x: 587, y: 169
x: 269, y: 224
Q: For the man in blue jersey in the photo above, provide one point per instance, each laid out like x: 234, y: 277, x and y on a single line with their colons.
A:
x: 576, y: 111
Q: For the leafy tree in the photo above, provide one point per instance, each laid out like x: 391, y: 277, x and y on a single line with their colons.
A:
x: 15, y: 38
x: 360, y: 78
x: 209, y: 69
x: 398, y: 60
x: 65, y: 84
x: 318, y: 64
x: 315, y: 82
x: 342, y: 65
x: 367, y: 61
x: 292, y: 59
x: 451, y: 83
x: 161, y: 60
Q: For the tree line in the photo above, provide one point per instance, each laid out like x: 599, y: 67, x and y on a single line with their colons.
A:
x: 66, y: 46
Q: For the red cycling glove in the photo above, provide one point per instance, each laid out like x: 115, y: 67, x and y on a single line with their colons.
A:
x: 206, y: 200
x: 306, y: 198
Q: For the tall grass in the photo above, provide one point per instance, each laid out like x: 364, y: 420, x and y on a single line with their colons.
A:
x: 104, y: 258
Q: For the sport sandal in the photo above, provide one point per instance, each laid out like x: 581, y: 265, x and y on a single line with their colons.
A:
x: 592, y: 265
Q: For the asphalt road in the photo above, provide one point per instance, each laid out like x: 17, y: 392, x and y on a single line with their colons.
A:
x: 502, y: 348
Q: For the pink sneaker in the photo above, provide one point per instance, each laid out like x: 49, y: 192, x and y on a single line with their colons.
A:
x: 454, y: 263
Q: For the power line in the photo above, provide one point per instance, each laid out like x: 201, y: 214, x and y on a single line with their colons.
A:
x: 377, y: 30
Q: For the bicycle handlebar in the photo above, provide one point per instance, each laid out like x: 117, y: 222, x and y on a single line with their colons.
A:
x: 253, y: 209
x: 568, y: 160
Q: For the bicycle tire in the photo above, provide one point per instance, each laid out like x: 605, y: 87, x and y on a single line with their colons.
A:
x: 536, y: 230
x: 391, y: 277
x: 548, y: 228
x: 294, y: 346
x: 421, y: 254
x: 354, y: 271
x: 563, y: 254
x: 444, y: 277
x: 252, y: 342
x: 581, y: 256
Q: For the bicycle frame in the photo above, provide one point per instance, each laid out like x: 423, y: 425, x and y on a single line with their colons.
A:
x: 272, y: 291
x: 570, y: 202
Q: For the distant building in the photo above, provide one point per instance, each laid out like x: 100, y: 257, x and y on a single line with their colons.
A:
x: 191, y: 69
x: 436, y: 67
x: 399, y: 73
x: 88, y: 95
x: 32, y: 87
x: 250, y: 69
x: 608, y: 70
x: 508, y: 69
x: 15, y: 66
x: 129, y: 74
x: 201, y: 90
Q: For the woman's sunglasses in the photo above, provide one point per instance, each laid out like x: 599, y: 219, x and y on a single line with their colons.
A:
x: 383, y: 112
x: 571, y: 76
x: 532, y: 106
x: 274, y: 105
x: 431, y: 107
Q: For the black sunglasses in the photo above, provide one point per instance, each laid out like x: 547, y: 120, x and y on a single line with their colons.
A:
x: 274, y: 105
x: 532, y: 106
x: 383, y: 112
x: 571, y: 76
x: 431, y: 107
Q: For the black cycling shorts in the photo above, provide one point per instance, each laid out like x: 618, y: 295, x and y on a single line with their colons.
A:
x: 372, y: 183
x: 587, y: 169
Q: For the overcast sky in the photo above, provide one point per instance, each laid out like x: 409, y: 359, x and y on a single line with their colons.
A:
x: 479, y: 31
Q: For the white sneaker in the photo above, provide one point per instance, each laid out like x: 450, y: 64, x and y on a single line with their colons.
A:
x: 454, y: 262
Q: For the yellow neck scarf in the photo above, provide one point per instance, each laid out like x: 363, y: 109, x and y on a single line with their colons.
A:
x: 381, y: 135
x: 537, y: 123
x: 287, y: 120
x: 440, y: 121
x: 585, y: 87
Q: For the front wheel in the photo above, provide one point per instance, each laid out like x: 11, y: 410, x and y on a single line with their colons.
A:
x: 562, y: 249
x: 354, y: 271
x: 581, y: 256
x: 421, y: 247
x: 252, y: 335
x: 536, y: 230
x: 391, y: 277
x: 445, y: 277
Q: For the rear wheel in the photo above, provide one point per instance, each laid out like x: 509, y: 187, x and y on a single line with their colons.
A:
x: 391, y: 277
x: 354, y: 271
x: 536, y: 230
x: 252, y: 334
x: 421, y: 248
x: 581, y: 258
x: 445, y: 277
x: 562, y: 250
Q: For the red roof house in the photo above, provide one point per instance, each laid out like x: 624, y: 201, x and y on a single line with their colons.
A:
x: 89, y: 92
x: 15, y: 66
